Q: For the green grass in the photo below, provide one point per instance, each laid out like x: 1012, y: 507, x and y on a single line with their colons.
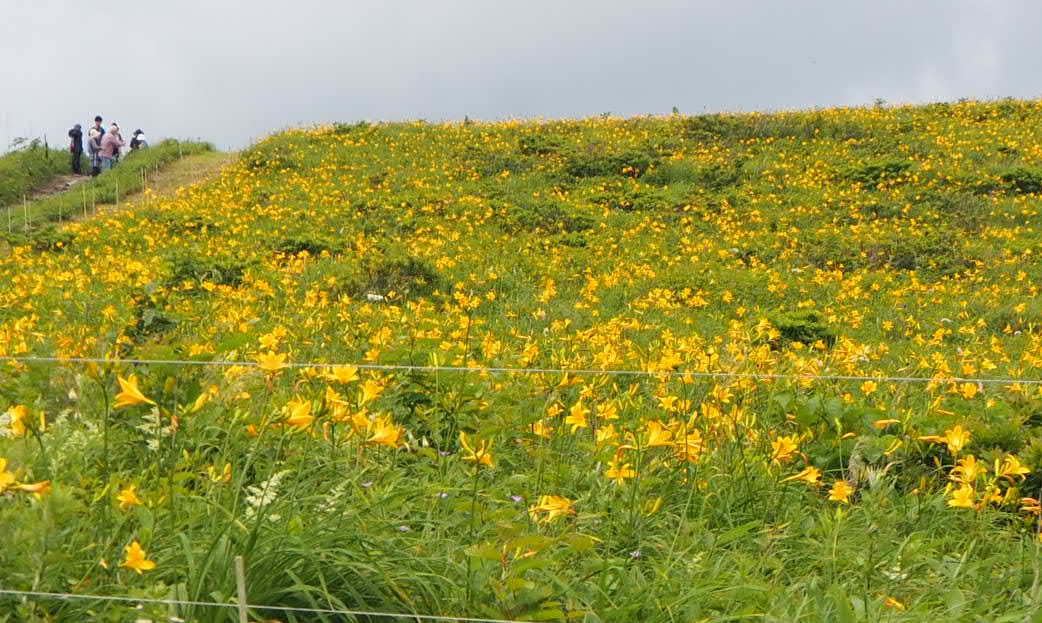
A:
x: 27, y: 169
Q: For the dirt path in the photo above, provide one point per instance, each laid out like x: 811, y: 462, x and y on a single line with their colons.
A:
x: 57, y: 184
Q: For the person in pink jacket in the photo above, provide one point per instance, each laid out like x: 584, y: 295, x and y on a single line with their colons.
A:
x: 110, y: 144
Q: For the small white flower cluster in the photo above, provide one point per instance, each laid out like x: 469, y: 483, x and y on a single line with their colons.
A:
x: 154, y: 430
x: 6, y: 420
x: 259, y: 496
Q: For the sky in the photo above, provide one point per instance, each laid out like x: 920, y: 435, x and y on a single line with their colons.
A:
x: 232, y: 71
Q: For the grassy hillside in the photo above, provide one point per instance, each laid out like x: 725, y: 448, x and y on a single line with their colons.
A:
x: 730, y: 261
x: 32, y: 224
x: 28, y: 168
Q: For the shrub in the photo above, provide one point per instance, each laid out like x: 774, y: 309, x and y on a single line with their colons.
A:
x: 596, y: 163
x: 539, y: 145
x: 544, y: 216
x: 313, y: 243
x: 807, y: 327
x: 186, y: 265
x: 871, y: 174
x: 407, y: 276
x: 1023, y: 180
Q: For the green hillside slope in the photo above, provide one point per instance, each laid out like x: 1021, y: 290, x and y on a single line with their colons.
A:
x: 717, y: 368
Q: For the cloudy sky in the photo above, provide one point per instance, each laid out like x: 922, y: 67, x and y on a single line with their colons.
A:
x: 230, y: 71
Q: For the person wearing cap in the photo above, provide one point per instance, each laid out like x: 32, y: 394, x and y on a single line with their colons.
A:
x: 139, y: 141
x: 76, y: 147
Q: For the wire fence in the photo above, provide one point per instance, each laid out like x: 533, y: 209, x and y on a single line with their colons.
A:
x: 531, y: 371
x: 245, y: 606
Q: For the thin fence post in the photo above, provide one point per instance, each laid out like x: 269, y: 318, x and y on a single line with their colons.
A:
x: 240, y: 583
x: 117, y: 192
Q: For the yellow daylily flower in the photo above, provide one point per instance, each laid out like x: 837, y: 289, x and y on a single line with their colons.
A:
x: 964, y: 497
x: 783, y: 448
x: 131, y: 394
x: 480, y: 456
x: 385, y: 433
x: 6, y: 477
x: 271, y: 361
x: 128, y: 497
x: 810, y: 475
x: 137, y: 559
x: 298, y: 414
x: 550, y: 507
x: 841, y: 492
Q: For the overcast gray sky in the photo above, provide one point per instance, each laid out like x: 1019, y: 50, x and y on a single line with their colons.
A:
x: 230, y: 71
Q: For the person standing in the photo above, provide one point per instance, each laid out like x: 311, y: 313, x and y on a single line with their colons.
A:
x: 139, y: 141
x: 94, y: 148
x: 115, y: 131
x: 110, y: 144
x: 98, y: 127
x: 76, y: 148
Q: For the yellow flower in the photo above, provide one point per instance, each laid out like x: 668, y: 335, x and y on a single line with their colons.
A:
x: 271, y: 361
x: 869, y: 387
x: 225, y: 475
x: 1011, y: 468
x: 298, y: 414
x: 371, y: 390
x: 541, y: 428
x: 810, y: 475
x: 343, y: 374
x: 841, y: 492
x: 128, y: 497
x: 6, y: 477
x: 333, y: 397
x: 131, y: 394
x: 577, y: 416
x: 36, y: 488
x: 968, y: 390
x: 956, y: 438
x: 553, y: 506
x: 16, y: 417
x: 652, y: 506
x: 658, y: 435
x: 481, y: 456
x: 385, y: 433
x: 619, y: 472
x: 554, y: 410
x: 963, y: 497
x: 783, y: 448
x: 202, y: 399
x: 968, y: 470
x: 137, y: 559
x: 606, y: 435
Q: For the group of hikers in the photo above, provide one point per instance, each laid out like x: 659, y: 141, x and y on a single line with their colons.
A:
x: 103, y: 147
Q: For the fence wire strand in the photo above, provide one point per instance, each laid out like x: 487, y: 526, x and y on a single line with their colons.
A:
x: 506, y: 370
x: 214, y: 604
